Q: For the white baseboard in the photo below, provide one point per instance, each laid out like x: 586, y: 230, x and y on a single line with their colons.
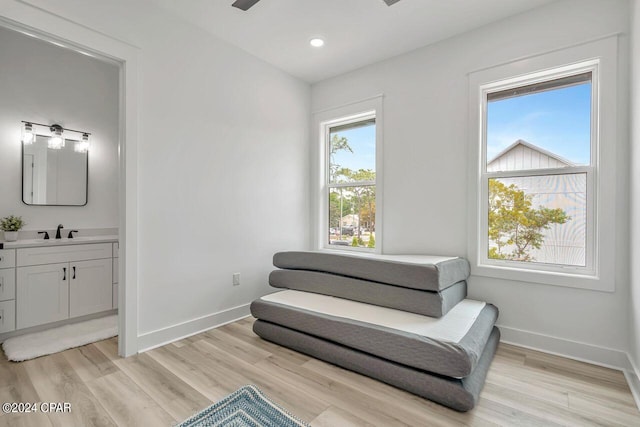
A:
x: 160, y: 337
x: 589, y: 353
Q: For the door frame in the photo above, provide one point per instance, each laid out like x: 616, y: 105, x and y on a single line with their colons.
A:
x: 36, y: 22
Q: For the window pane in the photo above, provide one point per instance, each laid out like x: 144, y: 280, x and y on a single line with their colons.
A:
x: 352, y: 214
x: 547, y: 125
x: 352, y: 152
x: 540, y: 219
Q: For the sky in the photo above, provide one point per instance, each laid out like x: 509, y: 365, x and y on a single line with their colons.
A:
x: 362, y: 141
x: 557, y: 120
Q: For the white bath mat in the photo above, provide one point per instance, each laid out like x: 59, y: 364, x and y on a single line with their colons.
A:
x: 30, y: 346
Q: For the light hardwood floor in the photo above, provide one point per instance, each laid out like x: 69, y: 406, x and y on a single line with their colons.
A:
x: 167, y: 385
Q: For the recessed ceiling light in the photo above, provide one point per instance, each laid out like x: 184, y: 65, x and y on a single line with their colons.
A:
x: 316, y: 42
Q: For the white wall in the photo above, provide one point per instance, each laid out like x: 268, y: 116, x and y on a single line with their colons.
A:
x: 635, y: 183
x: 425, y: 166
x: 223, y: 174
x: 222, y: 169
x: 47, y: 84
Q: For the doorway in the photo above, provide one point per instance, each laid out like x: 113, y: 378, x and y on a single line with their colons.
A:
x: 52, y: 28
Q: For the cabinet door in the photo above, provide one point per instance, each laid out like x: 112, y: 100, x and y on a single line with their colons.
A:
x: 42, y: 294
x: 90, y: 288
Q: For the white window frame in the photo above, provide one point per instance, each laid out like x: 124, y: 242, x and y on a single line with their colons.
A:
x: 323, y: 122
x: 590, y: 170
x: 599, y: 58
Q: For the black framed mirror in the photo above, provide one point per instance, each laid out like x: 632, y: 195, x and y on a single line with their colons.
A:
x: 54, y: 175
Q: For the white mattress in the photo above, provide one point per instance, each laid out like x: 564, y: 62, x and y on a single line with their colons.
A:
x: 451, y: 327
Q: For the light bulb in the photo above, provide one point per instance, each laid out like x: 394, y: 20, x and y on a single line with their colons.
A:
x: 82, y: 146
x: 316, y: 42
x: 27, y: 134
x: 56, y: 141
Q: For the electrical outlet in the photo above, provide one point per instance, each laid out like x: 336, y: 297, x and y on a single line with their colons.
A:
x: 236, y: 279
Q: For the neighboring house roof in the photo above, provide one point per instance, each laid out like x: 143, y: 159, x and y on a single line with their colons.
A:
x: 523, y: 151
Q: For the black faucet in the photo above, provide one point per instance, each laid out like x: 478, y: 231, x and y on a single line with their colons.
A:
x: 70, y: 236
x: 58, y: 236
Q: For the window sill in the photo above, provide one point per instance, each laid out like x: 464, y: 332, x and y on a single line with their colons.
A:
x: 579, y: 281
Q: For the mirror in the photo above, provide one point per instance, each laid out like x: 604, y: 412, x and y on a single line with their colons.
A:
x: 54, y: 177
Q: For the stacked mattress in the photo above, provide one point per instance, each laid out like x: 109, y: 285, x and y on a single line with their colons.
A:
x: 402, y: 319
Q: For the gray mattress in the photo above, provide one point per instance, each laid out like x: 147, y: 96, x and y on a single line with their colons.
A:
x: 428, y: 303
x: 448, y: 358
x: 458, y: 394
x: 422, y: 272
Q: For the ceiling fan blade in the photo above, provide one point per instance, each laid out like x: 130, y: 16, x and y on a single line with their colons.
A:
x: 246, y: 4
x: 391, y: 2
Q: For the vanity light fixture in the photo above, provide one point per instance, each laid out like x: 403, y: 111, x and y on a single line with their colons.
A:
x: 56, y: 141
x: 83, y: 145
x: 27, y: 133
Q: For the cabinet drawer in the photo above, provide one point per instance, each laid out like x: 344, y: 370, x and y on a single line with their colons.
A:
x: 7, y: 258
x: 7, y: 316
x: 56, y: 254
x: 7, y: 284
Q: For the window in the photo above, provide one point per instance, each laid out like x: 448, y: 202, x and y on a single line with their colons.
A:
x: 543, y: 203
x: 348, y: 199
x: 351, y: 182
x: 537, y: 167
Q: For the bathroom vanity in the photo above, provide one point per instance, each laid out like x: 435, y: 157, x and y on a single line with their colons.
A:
x: 50, y: 281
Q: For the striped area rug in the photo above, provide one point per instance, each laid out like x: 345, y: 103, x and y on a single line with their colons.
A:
x: 246, y: 407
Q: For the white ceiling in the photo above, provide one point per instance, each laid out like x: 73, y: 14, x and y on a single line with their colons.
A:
x: 357, y: 32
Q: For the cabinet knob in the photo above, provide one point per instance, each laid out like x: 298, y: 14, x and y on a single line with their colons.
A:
x: 64, y: 271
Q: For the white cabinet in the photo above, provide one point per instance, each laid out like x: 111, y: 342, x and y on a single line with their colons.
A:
x: 55, y: 283
x: 7, y: 284
x: 7, y: 316
x: 116, y: 273
x: 55, y: 254
x: 7, y: 258
x: 115, y: 296
x: 116, y: 270
x: 7, y: 290
x: 90, y: 287
x: 42, y: 294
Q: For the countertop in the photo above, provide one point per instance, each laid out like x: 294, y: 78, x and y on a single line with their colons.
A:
x: 35, y: 243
